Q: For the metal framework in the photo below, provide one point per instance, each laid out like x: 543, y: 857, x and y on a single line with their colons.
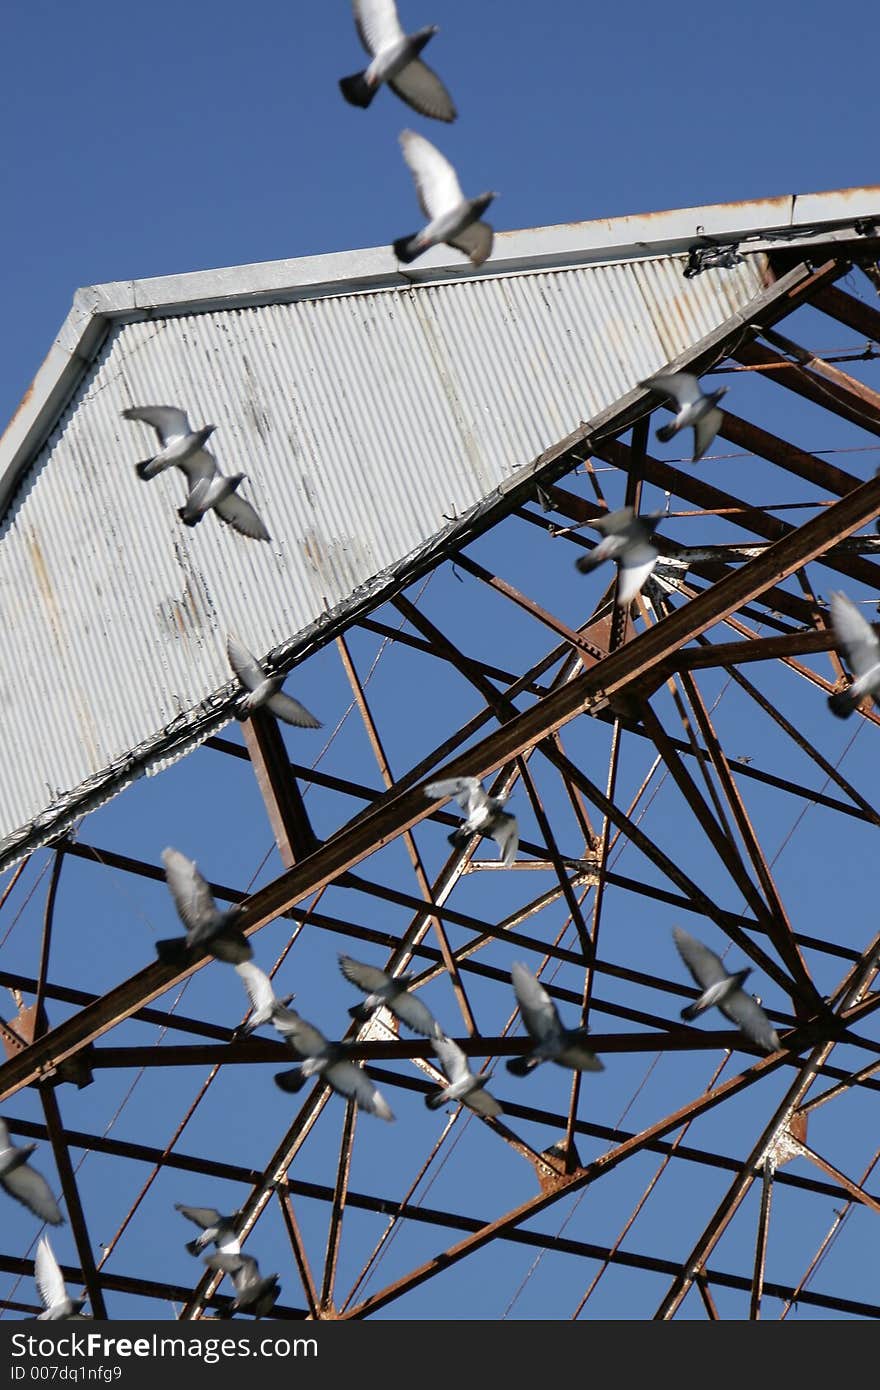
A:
x: 741, y: 615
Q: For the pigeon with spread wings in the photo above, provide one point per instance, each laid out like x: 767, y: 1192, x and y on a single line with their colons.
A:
x: 390, y: 991
x: 214, y: 1227
x: 265, y: 690
x: 253, y: 1294
x: 23, y: 1182
x: 265, y: 1003
x: 178, y: 440
x: 331, y: 1062
x: 56, y: 1301
x: 553, y: 1042
x: 693, y: 408
x: 723, y: 989
x: 452, y: 218
x: 207, y: 927
x: 484, y: 815
x: 464, y: 1085
x: 626, y: 539
x: 394, y: 58
x: 858, y: 643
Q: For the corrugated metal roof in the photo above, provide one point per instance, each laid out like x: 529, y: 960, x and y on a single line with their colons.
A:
x: 366, y: 419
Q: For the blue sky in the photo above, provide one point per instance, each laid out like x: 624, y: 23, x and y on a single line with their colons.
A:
x: 138, y: 144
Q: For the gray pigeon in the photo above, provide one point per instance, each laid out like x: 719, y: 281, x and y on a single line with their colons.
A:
x: 209, y: 489
x: 216, y: 1228
x: 693, y: 408
x: 207, y: 928
x: 23, y: 1182
x: 626, y: 539
x: 265, y: 1003
x: 484, y: 815
x: 723, y: 989
x: 395, y: 59
x: 857, y: 642
x: 253, y: 1294
x: 51, y: 1287
x: 452, y: 218
x: 265, y: 690
x: 553, y: 1043
x: 330, y: 1061
x: 463, y: 1084
x: 392, y: 991
x: 178, y: 440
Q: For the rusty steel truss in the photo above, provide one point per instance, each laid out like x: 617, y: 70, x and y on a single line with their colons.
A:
x: 639, y: 680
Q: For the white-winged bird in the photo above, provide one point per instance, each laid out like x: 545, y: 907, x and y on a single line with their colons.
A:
x: 484, y: 815
x: 693, y: 408
x: 253, y: 1294
x: 723, y: 989
x: 265, y: 1003
x: 858, y: 643
x: 23, y: 1182
x: 178, y: 440
x: 265, y: 690
x: 56, y: 1301
x: 390, y: 991
x: 330, y: 1061
x: 452, y: 218
x: 567, y: 1047
x: 626, y: 539
x: 394, y: 58
x: 464, y: 1085
x: 215, y: 1228
x: 207, y: 927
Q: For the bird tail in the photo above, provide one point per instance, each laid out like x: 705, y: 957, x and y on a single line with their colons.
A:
x: 291, y: 1081
x: 520, y: 1066
x: 357, y: 90
x: 188, y: 520
x: 666, y: 432
x: 404, y: 249
x: 586, y: 562
x: 144, y: 470
x: 196, y: 1246
x: 173, y: 951
x: 434, y: 1100
x: 690, y: 1012
x: 360, y: 1013
x: 841, y: 703
x: 459, y: 838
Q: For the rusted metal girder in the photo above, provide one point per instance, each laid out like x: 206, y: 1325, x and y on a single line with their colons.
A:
x: 299, y: 1253
x: 845, y: 401
x: 285, y: 807
x: 858, y: 316
x: 761, y: 1241
x: 58, y: 1139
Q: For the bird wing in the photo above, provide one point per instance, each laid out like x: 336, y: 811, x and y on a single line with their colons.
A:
x: 464, y: 789
x: 613, y: 523
x: 229, y: 1264
x: 198, y: 467
x: 238, y: 513
x: 506, y: 837
x: 206, y: 1217
x: 30, y: 1188
x: 855, y: 635
x: 290, y: 711
x: 192, y: 896
x: 706, y: 968
x: 351, y: 1080
x: 48, y: 1276
x: 483, y: 1103
x: 303, y: 1037
x: 452, y: 1059
x: 421, y: 88
x: 414, y: 1014
x: 475, y: 241
x: 257, y: 984
x: 537, y: 1008
x: 249, y: 671
x: 744, y: 1010
x: 377, y: 24
x: 167, y: 420
x: 4, y: 1136
x: 636, y: 564
x: 436, y: 181
x: 683, y: 388
x: 705, y: 431
x: 369, y: 978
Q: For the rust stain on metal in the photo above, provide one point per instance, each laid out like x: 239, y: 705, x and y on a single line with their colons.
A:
x: 23, y: 403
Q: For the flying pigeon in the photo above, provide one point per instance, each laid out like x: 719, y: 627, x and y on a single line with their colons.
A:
x: 265, y: 690
x: 452, y: 218
x: 207, y: 928
x: 693, y: 408
x: 858, y: 643
x: 553, y: 1043
x: 209, y: 489
x: 329, y: 1061
x: 265, y: 1003
x: 391, y: 991
x: 51, y: 1288
x: 23, y: 1182
x: 216, y: 1228
x: 626, y: 539
x: 395, y: 59
x: 484, y: 815
x: 178, y: 440
x: 252, y: 1293
x: 725, y: 990
x: 463, y: 1084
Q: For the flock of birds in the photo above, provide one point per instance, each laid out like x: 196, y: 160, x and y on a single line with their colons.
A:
x: 627, y: 539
